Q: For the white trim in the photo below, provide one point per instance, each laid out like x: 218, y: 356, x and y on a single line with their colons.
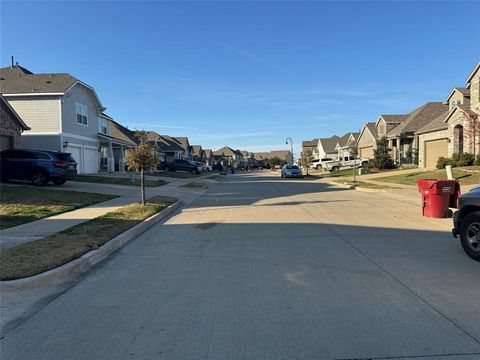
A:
x: 90, y: 147
x: 40, y: 133
x: 78, y: 82
x: 35, y: 94
x: 95, y: 139
x: 60, y: 112
x: 474, y: 71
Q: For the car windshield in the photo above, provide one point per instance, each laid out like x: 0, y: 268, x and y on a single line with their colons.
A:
x: 292, y: 167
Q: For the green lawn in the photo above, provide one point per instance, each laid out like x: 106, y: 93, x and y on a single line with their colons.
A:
x: 322, y: 174
x: 21, y: 204
x: 464, y: 177
x: 55, y: 250
x: 173, y: 174
x: 118, y: 180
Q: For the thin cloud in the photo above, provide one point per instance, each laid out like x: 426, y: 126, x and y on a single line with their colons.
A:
x: 248, y: 55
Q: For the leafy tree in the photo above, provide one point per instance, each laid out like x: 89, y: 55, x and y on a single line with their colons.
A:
x: 276, y: 161
x: 306, y: 158
x: 381, y: 155
x: 144, y: 157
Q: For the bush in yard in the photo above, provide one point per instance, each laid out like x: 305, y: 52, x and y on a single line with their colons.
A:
x: 477, y: 160
x: 442, y: 161
x: 462, y: 159
x: 276, y: 161
x: 144, y: 157
x: 381, y: 155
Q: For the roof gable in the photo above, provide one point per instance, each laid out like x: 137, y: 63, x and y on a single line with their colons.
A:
x: 472, y: 74
x: 15, y: 117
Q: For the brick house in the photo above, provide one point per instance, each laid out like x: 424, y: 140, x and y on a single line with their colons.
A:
x: 457, y: 128
x: 11, y: 126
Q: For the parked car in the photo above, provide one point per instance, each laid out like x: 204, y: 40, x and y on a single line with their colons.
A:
x: 183, y: 165
x: 218, y: 167
x: 317, y: 163
x: 466, y: 222
x: 346, y: 162
x: 37, y: 166
x: 202, y: 165
x: 291, y: 171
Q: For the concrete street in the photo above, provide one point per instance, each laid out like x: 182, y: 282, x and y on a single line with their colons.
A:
x: 263, y: 268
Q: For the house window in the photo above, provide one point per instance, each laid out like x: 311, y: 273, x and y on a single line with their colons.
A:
x: 82, y: 114
x: 102, y: 126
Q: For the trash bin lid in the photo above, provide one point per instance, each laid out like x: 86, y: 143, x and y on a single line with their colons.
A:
x: 426, y: 183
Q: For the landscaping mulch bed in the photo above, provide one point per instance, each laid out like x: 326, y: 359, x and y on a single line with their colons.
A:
x: 55, y: 250
x: 23, y: 204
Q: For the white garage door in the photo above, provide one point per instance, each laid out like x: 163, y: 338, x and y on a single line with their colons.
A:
x: 91, y: 161
x: 76, y: 152
x: 433, y: 150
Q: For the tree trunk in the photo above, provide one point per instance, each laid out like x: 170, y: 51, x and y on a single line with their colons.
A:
x: 142, y: 185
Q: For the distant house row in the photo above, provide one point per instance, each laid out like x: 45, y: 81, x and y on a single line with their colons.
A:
x: 333, y: 147
x: 58, y: 112
x: 433, y: 130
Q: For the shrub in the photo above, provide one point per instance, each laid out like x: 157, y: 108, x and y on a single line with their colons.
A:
x: 462, y: 159
x: 381, y: 155
x: 442, y: 161
x: 477, y: 160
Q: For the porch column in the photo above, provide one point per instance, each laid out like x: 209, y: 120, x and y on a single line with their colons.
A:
x: 110, y: 158
x: 121, y: 159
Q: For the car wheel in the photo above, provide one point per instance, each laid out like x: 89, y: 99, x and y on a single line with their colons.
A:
x: 59, y: 181
x: 39, y: 178
x: 470, y: 235
x: 335, y: 169
x: 194, y: 172
x: 318, y: 167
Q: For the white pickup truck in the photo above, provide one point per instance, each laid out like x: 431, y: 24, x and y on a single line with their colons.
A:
x: 346, y: 162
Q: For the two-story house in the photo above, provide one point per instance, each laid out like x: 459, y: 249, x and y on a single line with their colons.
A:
x: 64, y: 114
x: 457, y: 129
x: 11, y: 126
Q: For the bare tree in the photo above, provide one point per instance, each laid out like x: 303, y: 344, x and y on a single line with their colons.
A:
x: 472, y: 130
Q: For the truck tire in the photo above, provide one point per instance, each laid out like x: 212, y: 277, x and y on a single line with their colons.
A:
x: 318, y: 167
x: 334, y: 169
x: 470, y: 235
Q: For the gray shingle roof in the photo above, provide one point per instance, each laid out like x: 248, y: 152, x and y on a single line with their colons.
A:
x: 120, y: 132
x: 464, y: 91
x: 330, y: 143
x: 435, y: 125
x: 18, y: 80
x: 196, y: 149
x: 372, y: 128
x: 164, y: 142
x: 395, y: 119
x: 419, y: 118
x: 226, y: 151
x: 281, y: 154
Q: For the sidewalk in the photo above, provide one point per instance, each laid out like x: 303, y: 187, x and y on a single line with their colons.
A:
x: 127, y: 194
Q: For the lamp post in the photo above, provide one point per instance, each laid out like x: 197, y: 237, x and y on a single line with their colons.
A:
x: 291, y: 146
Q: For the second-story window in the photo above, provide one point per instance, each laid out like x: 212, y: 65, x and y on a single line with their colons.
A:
x: 82, y: 114
x: 102, y: 126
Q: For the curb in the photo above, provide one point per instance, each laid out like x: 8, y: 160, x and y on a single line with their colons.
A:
x: 84, y: 263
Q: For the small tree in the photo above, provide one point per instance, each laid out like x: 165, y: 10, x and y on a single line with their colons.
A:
x: 472, y: 130
x: 381, y: 155
x: 276, y: 161
x: 141, y: 158
x: 305, y: 159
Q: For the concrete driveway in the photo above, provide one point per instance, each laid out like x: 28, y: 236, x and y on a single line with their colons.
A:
x: 264, y: 268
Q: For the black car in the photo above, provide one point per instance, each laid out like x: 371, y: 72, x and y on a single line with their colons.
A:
x: 37, y: 166
x: 183, y: 165
x: 466, y: 222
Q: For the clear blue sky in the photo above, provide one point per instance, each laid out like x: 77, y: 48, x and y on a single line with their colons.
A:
x: 249, y: 74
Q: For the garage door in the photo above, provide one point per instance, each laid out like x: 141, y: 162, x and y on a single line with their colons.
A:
x: 91, y: 161
x: 433, y: 150
x: 366, y: 152
x: 76, y: 152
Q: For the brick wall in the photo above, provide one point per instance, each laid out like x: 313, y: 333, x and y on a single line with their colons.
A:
x: 9, y: 127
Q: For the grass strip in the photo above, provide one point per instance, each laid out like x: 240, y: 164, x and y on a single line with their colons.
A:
x: 118, y: 180
x: 195, y: 185
x: 55, y: 250
x: 23, y: 204
x: 464, y: 177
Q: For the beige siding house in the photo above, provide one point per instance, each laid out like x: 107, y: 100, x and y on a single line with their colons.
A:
x: 11, y: 126
x: 367, y: 140
x: 457, y: 128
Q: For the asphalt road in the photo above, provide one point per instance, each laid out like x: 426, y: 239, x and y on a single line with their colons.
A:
x: 263, y: 268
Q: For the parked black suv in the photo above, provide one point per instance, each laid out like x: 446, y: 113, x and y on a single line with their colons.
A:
x: 466, y: 222
x: 183, y: 165
x: 38, y: 166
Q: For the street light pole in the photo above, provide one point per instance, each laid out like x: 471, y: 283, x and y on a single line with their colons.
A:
x: 291, y: 146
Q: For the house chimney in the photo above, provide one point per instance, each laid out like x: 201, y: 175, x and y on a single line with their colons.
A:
x: 12, y: 62
x: 16, y: 63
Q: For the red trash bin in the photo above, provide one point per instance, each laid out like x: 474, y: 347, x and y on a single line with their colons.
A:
x: 438, y: 196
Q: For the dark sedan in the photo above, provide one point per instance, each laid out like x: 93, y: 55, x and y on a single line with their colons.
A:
x: 37, y: 166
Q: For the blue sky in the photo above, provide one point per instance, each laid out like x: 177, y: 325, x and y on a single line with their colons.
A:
x: 249, y: 74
